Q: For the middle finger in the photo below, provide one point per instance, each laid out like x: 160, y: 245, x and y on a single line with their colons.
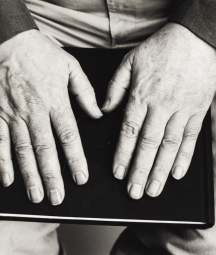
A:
x: 147, y: 147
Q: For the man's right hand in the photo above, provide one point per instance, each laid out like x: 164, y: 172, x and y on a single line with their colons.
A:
x: 34, y: 75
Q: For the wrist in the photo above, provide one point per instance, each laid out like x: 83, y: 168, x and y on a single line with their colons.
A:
x: 176, y: 34
x: 15, y: 18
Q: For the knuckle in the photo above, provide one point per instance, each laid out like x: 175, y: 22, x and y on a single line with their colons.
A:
x: 50, y: 179
x: 24, y: 165
x: 61, y: 114
x: 185, y: 154
x: 68, y: 136
x: 113, y: 84
x: 141, y: 173
x: 29, y: 177
x: 74, y: 160
x: 136, y: 94
x: 23, y: 149
x: 130, y: 130
x: 140, y: 95
x: 124, y: 152
x: 148, y: 142
x: 43, y: 149
x: 171, y: 143
x: 160, y: 170
x: 4, y: 139
x: 88, y: 90
x: 3, y: 164
x: 2, y: 161
x: 190, y: 135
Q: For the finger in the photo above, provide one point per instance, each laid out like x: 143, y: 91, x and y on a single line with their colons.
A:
x: 186, y: 150
x: 6, y: 166
x: 80, y: 86
x: 26, y: 160
x: 67, y: 131
x: 118, y: 85
x: 130, y: 129
x: 166, y: 154
x: 45, y: 151
x: 147, y: 147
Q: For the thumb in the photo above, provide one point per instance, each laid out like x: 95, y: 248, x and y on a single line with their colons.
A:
x: 80, y: 86
x: 118, y: 85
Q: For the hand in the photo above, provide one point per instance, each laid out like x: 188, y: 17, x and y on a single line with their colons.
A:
x: 34, y: 75
x: 173, y: 81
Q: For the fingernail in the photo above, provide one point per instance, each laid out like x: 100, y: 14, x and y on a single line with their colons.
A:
x: 97, y: 111
x: 178, y: 171
x: 136, y: 191
x: 153, y: 188
x: 80, y: 178
x: 106, y: 104
x: 6, y: 181
x: 55, y: 197
x: 119, y: 172
x: 35, y: 194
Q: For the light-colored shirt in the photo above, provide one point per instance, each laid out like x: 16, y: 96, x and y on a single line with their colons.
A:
x: 99, y: 23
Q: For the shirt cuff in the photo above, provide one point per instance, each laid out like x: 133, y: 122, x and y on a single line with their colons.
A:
x: 14, y: 19
x: 199, y: 16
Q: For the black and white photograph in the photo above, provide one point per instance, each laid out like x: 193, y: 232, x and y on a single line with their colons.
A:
x: 107, y: 127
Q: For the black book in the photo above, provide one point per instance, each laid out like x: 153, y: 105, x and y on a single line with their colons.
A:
x: 104, y: 199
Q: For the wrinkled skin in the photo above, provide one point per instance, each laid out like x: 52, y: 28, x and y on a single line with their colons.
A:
x: 172, y: 81
x: 172, y: 77
x: 34, y: 76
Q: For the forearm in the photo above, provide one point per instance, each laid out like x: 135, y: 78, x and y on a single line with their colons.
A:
x: 14, y: 19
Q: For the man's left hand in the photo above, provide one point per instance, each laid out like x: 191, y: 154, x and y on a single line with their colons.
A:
x: 173, y: 80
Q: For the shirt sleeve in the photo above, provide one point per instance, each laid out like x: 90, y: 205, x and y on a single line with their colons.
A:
x: 199, y: 16
x: 14, y: 19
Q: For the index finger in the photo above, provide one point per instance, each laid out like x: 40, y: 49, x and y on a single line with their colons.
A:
x: 132, y: 123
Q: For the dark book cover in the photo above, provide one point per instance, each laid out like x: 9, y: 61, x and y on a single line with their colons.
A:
x: 104, y: 199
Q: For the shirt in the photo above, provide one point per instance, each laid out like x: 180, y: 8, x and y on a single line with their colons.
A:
x: 199, y: 16
x: 100, y: 23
